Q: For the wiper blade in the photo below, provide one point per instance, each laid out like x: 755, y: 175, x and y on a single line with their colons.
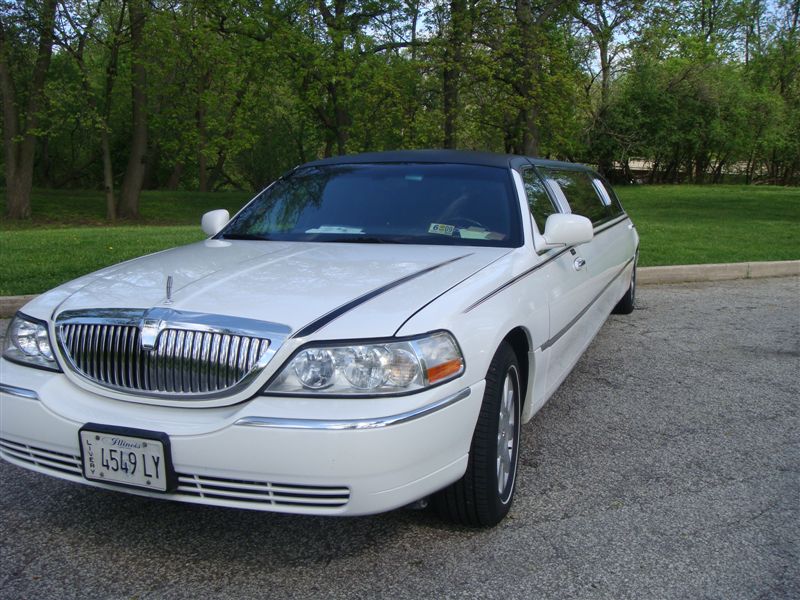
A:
x: 362, y: 239
x: 245, y: 236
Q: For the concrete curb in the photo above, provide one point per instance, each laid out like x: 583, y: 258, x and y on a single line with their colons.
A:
x: 645, y: 275
x: 720, y: 272
x: 11, y: 304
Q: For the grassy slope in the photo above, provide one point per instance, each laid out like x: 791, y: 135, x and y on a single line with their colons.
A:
x: 677, y: 224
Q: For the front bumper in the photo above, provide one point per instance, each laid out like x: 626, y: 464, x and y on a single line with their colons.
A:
x: 293, y: 455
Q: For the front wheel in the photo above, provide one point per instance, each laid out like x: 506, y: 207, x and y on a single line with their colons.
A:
x: 482, y: 497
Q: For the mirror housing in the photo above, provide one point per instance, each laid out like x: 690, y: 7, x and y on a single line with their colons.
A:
x: 567, y: 230
x: 213, y: 221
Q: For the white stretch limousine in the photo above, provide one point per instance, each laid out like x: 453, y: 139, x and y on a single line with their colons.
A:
x: 370, y: 331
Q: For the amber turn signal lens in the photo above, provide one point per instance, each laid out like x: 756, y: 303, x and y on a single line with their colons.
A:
x: 445, y: 370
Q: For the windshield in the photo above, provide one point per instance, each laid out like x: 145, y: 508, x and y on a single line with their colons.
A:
x: 385, y: 203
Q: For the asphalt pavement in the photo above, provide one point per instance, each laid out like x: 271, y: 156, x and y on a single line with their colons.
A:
x: 666, y: 466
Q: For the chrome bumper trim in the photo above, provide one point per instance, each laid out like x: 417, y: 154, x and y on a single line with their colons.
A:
x: 13, y: 390
x: 354, y: 424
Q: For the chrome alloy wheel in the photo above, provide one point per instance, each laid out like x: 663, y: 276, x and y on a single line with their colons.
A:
x: 507, y: 432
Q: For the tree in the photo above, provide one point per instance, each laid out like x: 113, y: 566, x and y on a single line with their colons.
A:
x: 604, y: 20
x: 137, y: 159
x: 23, y: 85
x: 98, y: 26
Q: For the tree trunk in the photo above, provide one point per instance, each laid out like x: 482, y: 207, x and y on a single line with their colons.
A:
x: 531, y: 134
x: 450, y: 94
x: 454, y: 58
x: 105, y: 142
x: 108, y: 176
x: 529, y: 18
x: 19, y: 144
x: 202, y: 132
x: 175, y: 177
x: 18, y: 194
x: 134, y: 174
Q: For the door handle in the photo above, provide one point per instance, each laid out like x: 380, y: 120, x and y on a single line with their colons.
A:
x: 579, y: 263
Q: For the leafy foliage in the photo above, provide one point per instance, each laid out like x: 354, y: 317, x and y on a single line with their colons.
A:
x: 237, y: 92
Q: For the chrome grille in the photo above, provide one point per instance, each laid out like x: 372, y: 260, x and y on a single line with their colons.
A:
x: 183, y: 361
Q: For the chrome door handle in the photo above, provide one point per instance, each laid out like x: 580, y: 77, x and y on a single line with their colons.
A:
x: 579, y: 263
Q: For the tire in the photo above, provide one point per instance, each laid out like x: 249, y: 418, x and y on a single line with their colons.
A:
x: 628, y: 302
x: 483, y: 496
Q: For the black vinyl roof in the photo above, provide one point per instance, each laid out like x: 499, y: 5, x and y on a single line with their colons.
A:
x: 464, y: 157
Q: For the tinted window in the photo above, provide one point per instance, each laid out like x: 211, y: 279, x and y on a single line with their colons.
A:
x: 539, y: 202
x: 609, y: 197
x: 580, y: 193
x: 396, y: 203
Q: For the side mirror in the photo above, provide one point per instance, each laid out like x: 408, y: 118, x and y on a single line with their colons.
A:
x: 213, y: 221
x: 567, y: 230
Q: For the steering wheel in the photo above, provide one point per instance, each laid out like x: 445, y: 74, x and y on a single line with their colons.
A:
x: 461, y: 221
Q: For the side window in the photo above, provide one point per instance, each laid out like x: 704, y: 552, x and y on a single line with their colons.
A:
x: 609, y: 197
x: 539, y: 202
x: 581, y: 193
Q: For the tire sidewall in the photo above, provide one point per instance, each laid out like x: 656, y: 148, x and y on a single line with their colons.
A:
x: 503, y: 364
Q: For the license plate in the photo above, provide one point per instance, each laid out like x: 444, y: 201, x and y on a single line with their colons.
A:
x: 123, y: 456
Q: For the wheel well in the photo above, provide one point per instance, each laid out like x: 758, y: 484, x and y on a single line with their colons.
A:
x: 518, y: 340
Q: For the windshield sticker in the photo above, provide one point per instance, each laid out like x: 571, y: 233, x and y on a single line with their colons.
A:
x: 441, y: 229
x: 474, y: 233
x: 335, y: 229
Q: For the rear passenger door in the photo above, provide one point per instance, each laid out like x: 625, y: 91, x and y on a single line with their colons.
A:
x: 587, y: 196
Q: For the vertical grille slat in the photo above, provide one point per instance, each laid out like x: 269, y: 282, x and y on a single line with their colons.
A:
x: 183, y: 361
x: 82, y: 339
x: 133, y: 357
x: 213, y: 362
x: 222, y: 376
x: 205, y: 350
x: 233, y: 357
x: 125, y: 359
x: 180, y: 338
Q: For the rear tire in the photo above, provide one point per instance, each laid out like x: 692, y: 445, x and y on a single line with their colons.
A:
x: 628, y: 302
x: 483, y: 496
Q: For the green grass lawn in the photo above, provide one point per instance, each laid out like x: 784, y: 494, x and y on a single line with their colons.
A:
x: 68, y: 235
x: 691, y: 224
x: 677, y: 224
x: 71, y: 208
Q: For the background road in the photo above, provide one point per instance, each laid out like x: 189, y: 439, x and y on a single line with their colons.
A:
x: 665, y: 467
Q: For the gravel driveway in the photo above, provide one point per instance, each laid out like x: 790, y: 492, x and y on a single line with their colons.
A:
x: 665, y: 467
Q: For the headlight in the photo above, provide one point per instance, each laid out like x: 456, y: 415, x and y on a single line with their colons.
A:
x: 371, y: 368
x: 28, y: 342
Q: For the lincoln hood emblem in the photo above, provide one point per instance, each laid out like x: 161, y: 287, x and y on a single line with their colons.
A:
x: 149, y: 330
x: 169, y: 290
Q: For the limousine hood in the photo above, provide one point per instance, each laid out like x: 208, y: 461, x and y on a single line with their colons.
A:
x: 375, y: 287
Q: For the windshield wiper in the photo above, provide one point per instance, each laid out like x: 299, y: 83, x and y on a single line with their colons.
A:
x: 245, y: 236
x: 362, y: 239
